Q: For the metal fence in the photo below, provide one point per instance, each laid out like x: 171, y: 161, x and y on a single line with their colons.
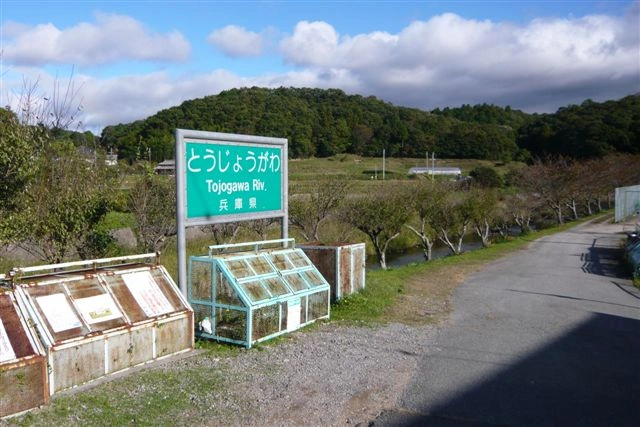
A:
x: 627, y: 202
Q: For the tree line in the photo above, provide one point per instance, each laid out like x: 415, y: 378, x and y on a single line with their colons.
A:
x: 55, y: 200
x: 56, y: 195
x: 549, y: 191
x: 326, y: 122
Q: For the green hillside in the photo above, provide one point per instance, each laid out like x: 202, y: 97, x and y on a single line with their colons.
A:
x: 326, y: 122
x: 589, y: 130
x: 320, y: 123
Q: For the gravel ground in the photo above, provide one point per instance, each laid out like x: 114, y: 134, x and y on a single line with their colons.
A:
x: 330, y: 376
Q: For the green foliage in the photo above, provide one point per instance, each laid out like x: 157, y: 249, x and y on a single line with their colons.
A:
x: 380, y: 215
x: 318, y: 122
x: 486, y: 176
x: 307, y: 211
x: 480, y: 206
x: 20, y: 148
x: 61, y: 209
x: 152, y: 202
x: 425, y: 199
x: 324, y: 123
x: 590, y: 130
x: 487, y: 114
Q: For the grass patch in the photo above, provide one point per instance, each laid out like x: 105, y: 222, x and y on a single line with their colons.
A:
x: 153, y: 397
x: 115, y: 220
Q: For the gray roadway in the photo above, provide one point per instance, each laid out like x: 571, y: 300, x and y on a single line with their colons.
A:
x: 549, y: 336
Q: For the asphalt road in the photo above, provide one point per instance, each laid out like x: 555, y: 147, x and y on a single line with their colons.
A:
x: 549, y: 336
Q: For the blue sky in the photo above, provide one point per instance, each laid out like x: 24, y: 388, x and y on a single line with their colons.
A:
x: 131, y: 59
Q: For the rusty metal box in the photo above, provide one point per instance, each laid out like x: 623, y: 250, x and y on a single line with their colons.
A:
x: 23, y: 365
x: 103, y: 319
x: 342, y: 264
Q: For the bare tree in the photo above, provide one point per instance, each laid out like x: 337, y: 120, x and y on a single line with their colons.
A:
x: 548, y: 181
x: 56, y: 110
x: 522, y: 208
x: 425, y: 199
x: 380, y: 215
x: 480, y: 206
x: 153, y: 203
x: 452, y: 221
x: 261, y: 226
x: 222, y: 233
x: 308, y: 211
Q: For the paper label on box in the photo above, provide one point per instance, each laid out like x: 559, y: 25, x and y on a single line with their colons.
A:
x: 147, y: 293
x: 6, y: 351
x: 58, y: 312
x: 293, y: 314
x: 98, y: 308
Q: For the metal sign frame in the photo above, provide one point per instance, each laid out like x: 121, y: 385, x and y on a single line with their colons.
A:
x: 251, y: 157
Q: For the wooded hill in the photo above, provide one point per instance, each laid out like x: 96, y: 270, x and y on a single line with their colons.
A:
x: 326, y: 122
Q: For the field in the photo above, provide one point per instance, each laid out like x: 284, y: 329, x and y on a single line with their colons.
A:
x: 364, y: 173
x: 369, y: 168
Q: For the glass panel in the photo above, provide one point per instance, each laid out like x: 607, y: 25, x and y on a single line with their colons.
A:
x: 239, y: 268
x: 303, y: 310
x: 225, y: 294
x: 16, y: 334
x: 85, y: 288
x: 298, y: 259
x: 266, y: 321
x: 167, y: 287
x: 281, y: 261
x: 296, y: 282
x: 255, y: 291
x: 283, y: 318
x: 276, y: 286
x: 56, y: 310
x: 231, y: 324
x: 201, y: 280
x: 125, y: 298
x: 260, y: 265
x: 318, y: 305
x: 313, y: 278
x: 95, y: 305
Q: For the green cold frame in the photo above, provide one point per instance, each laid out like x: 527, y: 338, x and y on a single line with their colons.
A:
x: 252, y: 295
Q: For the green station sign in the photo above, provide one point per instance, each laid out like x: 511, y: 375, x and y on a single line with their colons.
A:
x: 226, y: 178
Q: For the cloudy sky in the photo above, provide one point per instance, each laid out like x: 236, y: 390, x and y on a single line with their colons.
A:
x: 131, y: 59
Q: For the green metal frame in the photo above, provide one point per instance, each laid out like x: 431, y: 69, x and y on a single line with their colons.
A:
x: 264, y: 252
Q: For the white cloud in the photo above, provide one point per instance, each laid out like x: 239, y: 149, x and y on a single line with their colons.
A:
x: 452, y: 60
x: 444, y: 61
x: 236, y: 41
x: 312, y: 43
x: 110, y: 39
x: 127, y: 98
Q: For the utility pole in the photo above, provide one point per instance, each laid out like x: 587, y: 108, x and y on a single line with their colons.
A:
x: 383, y: 161
x: 433, y: 165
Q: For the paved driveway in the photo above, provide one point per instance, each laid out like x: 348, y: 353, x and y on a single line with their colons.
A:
x: 549, y: 336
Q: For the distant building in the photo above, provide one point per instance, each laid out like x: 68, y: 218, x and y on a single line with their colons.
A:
x: 166, y: 167
x: 423, y: 170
